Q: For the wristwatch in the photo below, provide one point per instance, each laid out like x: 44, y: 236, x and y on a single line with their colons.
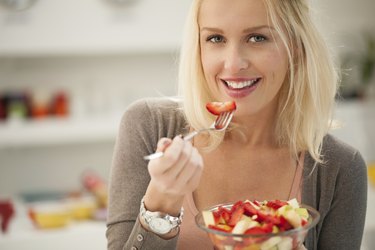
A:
x: 160, y: 223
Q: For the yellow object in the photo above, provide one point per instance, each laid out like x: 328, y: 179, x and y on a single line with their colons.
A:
x: 49, y: 214
x: 82, y: 208
x: 371, y: 173
x: 252, y: 247
x: 52, y: 220
x: 83, y: 212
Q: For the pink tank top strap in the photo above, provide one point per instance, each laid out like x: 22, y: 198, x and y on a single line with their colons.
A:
x: 296, y: 191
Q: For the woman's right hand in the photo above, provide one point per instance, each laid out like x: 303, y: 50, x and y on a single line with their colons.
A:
x: 173, y: 176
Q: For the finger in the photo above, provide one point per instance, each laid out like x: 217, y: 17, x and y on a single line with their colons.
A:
x: 194, y: 181
x: 160, y: 165
x: 172, y: 153
x: 163, y: 144
x: 182, y: 160
x: 194, y: 165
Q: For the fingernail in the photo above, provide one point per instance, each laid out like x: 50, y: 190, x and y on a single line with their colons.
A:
x: 165, y: 142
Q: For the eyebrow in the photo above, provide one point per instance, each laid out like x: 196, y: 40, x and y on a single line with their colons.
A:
x: 252, y: 29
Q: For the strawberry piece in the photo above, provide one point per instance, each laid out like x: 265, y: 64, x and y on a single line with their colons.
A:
x: 236, y: 206
x: 267, y: 218
x: 249, y: 210
x: 256, y: 203
x: 224, y: 228
x: 236, y: 216
x: 224, y: 215
x: 217, y: 216
x: 284, y: 225
x: 304, y: 222
x: 276, y: 204
x: 256, y: 230
x: 267, y: 227
x: 216, y: 108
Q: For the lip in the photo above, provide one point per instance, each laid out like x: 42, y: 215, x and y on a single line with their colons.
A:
x: 240, y: 93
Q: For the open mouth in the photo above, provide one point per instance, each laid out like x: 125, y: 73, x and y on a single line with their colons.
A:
x: 240, y: 85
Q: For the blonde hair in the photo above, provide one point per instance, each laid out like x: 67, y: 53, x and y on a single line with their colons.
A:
x: 306, y: 98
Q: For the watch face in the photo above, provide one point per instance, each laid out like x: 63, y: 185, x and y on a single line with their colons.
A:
x: 160, y: 225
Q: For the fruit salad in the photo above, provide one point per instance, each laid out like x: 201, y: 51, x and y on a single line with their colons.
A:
x: 216, y: 108
x: 263, y: 225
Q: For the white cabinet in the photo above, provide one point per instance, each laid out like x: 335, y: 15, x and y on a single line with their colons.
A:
x: 92, y: 26
x: 58, y: 131
x: 78, y: 44
x: 99, y: 89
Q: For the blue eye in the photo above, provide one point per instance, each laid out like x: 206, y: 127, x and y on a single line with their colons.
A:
x: 257, y: 38
x: 215, y: 39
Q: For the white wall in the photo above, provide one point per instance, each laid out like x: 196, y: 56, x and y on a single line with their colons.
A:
x: 343, y: 22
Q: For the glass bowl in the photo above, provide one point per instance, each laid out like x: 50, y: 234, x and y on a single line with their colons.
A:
x: 286, y: 240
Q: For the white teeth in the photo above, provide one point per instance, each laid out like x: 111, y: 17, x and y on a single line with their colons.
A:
x: 240, y: 85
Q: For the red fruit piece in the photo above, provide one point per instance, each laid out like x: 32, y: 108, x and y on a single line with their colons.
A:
x: 267, y: 227
x: 219, y: 228
x: 222, y: 215
x: 217, y: 108
x: 217, y: 216
x: 236, y: 216
x: 249, y: 209
x: 304, y: 222
x: 264, y: 229
x: 7, y: 211
x: 255, y: 202
x: 276, y: 204
x: 284, y: 225
x: 267, y: 218
x: 236, y: 206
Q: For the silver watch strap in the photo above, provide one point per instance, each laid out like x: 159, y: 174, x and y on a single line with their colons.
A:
x: 148, y: 216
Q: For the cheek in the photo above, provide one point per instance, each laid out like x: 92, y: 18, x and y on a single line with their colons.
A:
x: 210, y: 64
x: 277, y: 64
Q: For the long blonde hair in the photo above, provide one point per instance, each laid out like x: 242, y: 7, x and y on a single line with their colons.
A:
x: 306, y: 98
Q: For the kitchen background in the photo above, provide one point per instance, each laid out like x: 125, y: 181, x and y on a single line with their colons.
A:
x: 68, y: 70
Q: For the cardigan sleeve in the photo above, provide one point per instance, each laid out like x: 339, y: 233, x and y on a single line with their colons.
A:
x: 139, y: 132
x: 343, y: 225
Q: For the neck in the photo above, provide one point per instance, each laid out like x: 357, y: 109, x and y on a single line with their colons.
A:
x: 256, y: 130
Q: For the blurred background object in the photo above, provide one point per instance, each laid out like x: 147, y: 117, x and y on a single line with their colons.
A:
x: 17, y: 5
x: 119, y: 3
x: 357, y: 67
x: 69, y: 69
x: 6, y: 214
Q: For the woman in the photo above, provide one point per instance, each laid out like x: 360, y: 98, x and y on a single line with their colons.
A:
x: 267, y: 56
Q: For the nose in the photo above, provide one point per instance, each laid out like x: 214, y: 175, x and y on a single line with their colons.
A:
x: 235, y: 59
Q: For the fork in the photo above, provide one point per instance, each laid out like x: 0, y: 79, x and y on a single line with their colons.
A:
x: 221, y: 123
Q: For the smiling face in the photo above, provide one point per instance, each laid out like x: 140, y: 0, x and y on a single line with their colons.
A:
x: 243, y: 58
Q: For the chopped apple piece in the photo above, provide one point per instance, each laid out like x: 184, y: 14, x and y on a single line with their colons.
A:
x: 270, y: 243
x: 285, y: 244
x: 293, y: 218
x: 294, y: 203
x: 302, y: 212
x: 208, y: 218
